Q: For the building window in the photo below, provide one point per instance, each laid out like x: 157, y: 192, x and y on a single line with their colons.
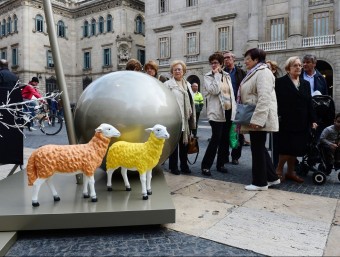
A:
x: 50, y: 63
x: 139, y: 25
x: 15, y: 23
x: 224, y: 38
x: 164, y: 48
x: 51, y: 84
x: 9, y: 25
x: 39, y: 23
x: 87, y: 60
x: 3, y: 27
x: 15, y: 56
x: 101, y: 25
x: 192, y: 43
x: 107, y: 57
x: 141, y: 56
x: 163, y: 6
x: 3, y: 54
x: 109, y: 23
x: 93, y: 27
x: 191, y: 3
x: 86, y: 29
x: 320, y: 24
x: 61, y: 29
x: 277, y: 29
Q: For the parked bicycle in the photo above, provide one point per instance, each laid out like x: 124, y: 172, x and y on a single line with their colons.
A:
x: 48, y: 122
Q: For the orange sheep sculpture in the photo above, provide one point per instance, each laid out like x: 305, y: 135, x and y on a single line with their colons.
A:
x: 66, y: 159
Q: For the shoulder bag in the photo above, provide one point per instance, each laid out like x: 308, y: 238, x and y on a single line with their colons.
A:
x: 193, y: 148
x: 244, y: 112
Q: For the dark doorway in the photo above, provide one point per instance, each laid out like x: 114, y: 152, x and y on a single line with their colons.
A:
x: 326, y: 71
x: 51, y: 84
x: 194, y: 79
x: 86, y: 81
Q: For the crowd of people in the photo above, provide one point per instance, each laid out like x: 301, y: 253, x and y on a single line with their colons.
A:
x: 283, y: 109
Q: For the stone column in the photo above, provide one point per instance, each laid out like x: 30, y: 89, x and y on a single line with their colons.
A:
x: 337, y: 20
x: 253, y: 24
x: 295, y: 24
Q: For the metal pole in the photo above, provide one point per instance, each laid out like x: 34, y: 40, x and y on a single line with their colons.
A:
x: 60, y: 74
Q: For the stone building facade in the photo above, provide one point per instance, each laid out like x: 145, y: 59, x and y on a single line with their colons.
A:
x: 94, y: 36
x: 191, y: 30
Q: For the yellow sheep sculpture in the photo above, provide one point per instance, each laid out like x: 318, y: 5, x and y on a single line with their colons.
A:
x: 142, y: 157
x: 69, y: 159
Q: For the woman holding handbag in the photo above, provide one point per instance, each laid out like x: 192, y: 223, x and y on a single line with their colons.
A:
x: 184, y: 96
x: 258, y: 88
x: 221, y: 105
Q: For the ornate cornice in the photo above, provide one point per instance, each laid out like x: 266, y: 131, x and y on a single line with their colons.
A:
x: 162, y: 29
x: 224, y: 17
x: 8, y: 6
x: 191, y: 23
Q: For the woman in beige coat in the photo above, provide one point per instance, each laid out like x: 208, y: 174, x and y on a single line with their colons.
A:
x: 258, y: 88
x: 184, y: 96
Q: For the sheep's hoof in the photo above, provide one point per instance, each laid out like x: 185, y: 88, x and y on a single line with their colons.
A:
x: 86, y: 196
x: 94, y: 199
x: 109, y: 189
x: 145, y: 197
x: 35, y: 204
x: 56, y: 198
x: 127, y: 188
x: 149, y: 192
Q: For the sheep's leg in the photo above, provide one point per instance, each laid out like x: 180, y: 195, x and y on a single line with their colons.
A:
x: 109, y: 179
x: 85, y: 188
x: 36, y: 187
x: 142, y: 178
x: 148, y: 182
x: 92, y: 191
x: 125, y: 177
x: 52, y: 188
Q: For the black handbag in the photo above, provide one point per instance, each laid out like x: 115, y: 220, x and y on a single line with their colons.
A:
x: 244, y: 112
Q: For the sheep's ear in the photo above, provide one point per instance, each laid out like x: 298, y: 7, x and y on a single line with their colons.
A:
x: 149, y: 129
x: 99, y: 129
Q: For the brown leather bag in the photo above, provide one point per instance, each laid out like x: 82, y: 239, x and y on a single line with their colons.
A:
x: 193, y: 145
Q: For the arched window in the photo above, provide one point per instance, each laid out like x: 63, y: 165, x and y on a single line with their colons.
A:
x: 109, y: 23
x: 39, y: 23
x: 86, y: 29
x: 101, y: 25
x: 61, y: 29
x: 3, y: 27
x: 9, y: 25
x: 139, y: 25
x: 93, y: 27
x: 15, y: 23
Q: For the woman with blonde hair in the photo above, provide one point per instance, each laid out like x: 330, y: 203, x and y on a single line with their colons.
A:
x: 273, y: 66
x: 296, y: 116
x: 151, y: 68
x: 184, y: 96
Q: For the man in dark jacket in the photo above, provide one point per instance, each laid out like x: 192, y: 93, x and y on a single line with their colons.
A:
x: 236, y: 75
x: 11, y: 140
x: 313, y: 76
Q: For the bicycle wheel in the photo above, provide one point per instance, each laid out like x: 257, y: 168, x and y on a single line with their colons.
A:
x: 51, y: 125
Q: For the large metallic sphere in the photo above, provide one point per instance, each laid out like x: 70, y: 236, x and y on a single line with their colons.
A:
x: 130, y: 101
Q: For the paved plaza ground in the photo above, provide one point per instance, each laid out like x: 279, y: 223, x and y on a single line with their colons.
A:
x: 215, y: 216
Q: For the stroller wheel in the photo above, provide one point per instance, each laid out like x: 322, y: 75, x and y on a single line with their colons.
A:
x: 319, y: 178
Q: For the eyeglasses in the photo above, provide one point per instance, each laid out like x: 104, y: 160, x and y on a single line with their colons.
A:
x: 227, y: 57
x: 297, y: 66
x: 214, y: 63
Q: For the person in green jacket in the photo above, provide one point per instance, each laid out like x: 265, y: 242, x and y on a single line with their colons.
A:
x: 199, y: 102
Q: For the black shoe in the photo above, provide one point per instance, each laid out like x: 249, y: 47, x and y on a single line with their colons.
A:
x: 186, y: 171
x: 175, y: 172
x: 206, y: 172
x: 235, y: 162
x: 222, y: 169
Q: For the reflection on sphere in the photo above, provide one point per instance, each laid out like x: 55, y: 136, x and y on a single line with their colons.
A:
x: 130, y: 101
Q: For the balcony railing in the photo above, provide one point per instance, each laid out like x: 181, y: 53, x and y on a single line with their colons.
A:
x: 318, y: 41
x: 273, y: 45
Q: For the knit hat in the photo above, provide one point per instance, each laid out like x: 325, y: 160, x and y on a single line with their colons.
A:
x: 35, y: 79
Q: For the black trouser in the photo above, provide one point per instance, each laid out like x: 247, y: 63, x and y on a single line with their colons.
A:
x: 183, y: 156
x: 194, y: 131
x: 236, y: 153
x: 262, y: 166
x: 219, y: 140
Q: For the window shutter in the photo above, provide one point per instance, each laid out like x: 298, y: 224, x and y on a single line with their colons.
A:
x: 230, y: 38
x: 268, y: 31
x: 310, y: 25
x: 331, y: 22
x: 198, y: 43
x: 286, y: 24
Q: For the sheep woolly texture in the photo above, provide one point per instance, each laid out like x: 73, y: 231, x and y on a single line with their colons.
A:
x: 142, y: 156
x: 48, y: 159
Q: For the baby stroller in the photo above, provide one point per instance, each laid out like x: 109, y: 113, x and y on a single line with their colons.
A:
x: 325, y: 112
